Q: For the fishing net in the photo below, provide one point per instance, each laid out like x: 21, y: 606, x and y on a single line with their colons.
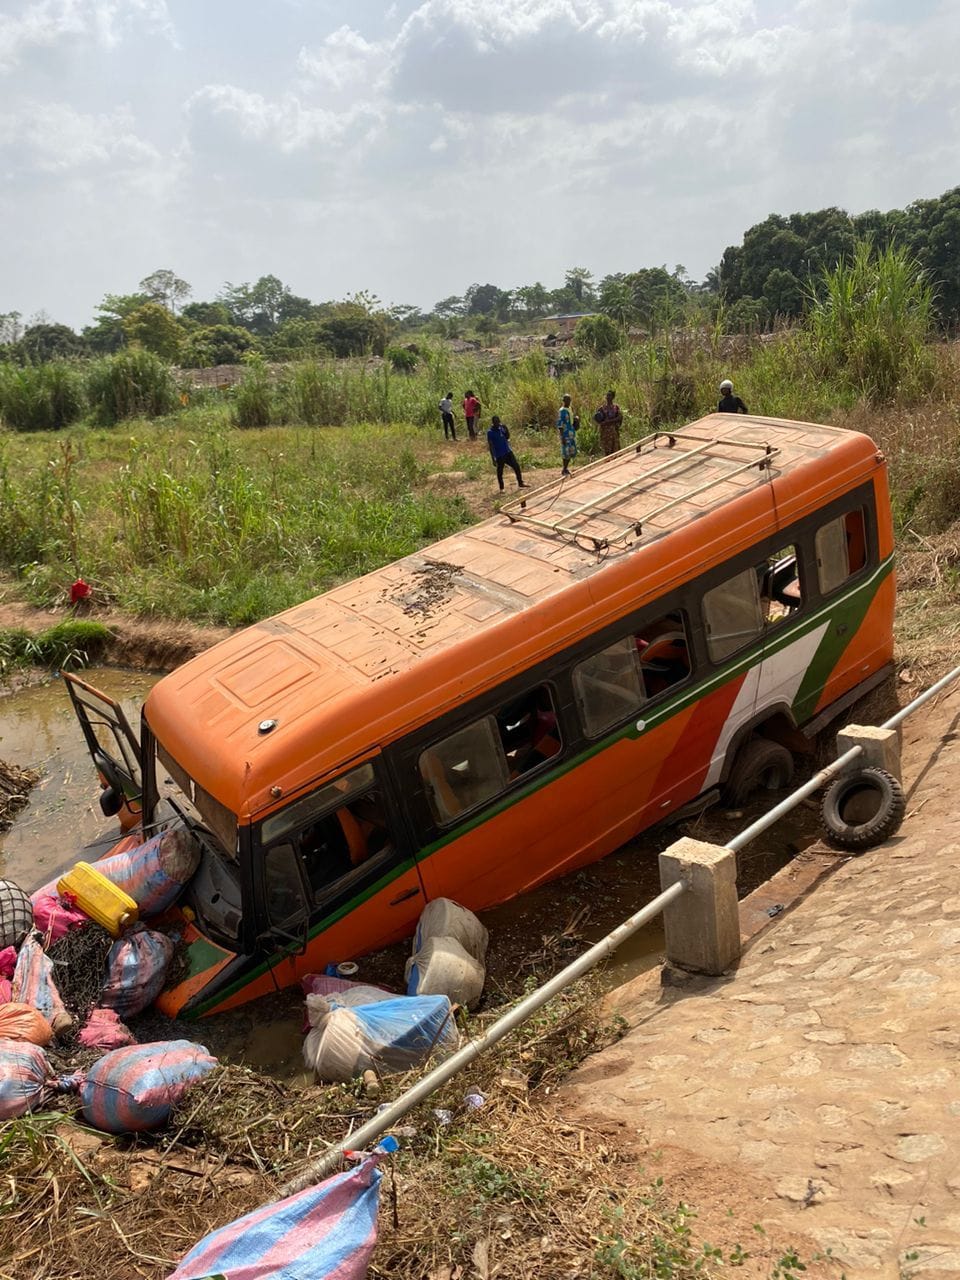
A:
x: 16, y: 914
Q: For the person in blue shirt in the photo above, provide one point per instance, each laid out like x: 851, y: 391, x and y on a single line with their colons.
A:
x: 567, y: 425
x: 498, y: 441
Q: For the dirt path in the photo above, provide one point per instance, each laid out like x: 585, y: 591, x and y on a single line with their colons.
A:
x: 818, y: 1087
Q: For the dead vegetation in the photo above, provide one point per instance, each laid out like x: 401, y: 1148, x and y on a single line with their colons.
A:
x: 15, y: 787
x: 507, y: 1188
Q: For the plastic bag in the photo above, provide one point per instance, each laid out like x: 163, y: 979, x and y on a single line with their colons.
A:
x: 136, y: 970
x: 154, y: 873
x: 324, y: 984
x: 23, y: 1022
x: 55, y: 917
x: 8, y: 961
x: 393, y: 1035
x: 26, y: 1079
x: 104, y: 1030
x: 6, y: 991
x: 326, y: 1230
x: 135, y: 1088
x: 33, y: 984
x: 444, y: 918
x: 443, y: 967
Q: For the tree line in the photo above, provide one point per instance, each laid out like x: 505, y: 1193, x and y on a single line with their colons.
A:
x: 773, y: 276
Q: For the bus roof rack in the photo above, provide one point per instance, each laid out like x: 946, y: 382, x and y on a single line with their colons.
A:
x: 609, y: 517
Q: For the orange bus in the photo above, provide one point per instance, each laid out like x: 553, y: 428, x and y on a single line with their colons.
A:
x: 516, y: 701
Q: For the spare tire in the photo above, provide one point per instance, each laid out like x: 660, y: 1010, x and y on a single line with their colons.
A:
x: 862, y: 809
x: 759, y: 765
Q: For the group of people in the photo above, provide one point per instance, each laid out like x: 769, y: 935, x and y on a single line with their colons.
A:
x: 608, y: 417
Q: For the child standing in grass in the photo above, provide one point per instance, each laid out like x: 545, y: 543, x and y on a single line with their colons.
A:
x: 498, y: 441
x: 567, y: 425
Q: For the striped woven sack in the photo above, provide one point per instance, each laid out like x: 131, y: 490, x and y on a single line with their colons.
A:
x: 137, y: 967
x: 33, y: 984
x: 327, y: 1232
x: 135, y: 1088
x: 26, y: 1079
x: 154, y: 873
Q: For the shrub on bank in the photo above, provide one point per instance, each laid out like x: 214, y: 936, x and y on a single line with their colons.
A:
x: 132, y: 384
x: 41, y: 397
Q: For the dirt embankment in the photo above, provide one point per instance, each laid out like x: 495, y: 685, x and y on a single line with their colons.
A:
x: 143, y: 644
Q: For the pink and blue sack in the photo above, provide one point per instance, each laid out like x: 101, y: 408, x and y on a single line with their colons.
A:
x: 134, y: 1089
x: 326, y: 1232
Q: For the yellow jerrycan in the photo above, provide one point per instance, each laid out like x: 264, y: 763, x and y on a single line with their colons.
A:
x: 99, y: 898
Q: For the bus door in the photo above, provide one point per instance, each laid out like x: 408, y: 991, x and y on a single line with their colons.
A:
x: 336, y: 866
x: 747, y: 620
x: 113, y: 746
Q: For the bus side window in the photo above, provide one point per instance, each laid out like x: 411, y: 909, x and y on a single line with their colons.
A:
x: 664, y: 653
x: 841, y: 547
x: 732, y: 614
x: 464, y: 769
x: 608, y: 686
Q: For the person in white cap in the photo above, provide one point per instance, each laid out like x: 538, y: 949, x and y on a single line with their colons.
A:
x: 729, y: 403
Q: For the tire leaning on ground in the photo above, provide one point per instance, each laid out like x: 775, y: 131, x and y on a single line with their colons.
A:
x: 862, y: 809
x: 760, y: 764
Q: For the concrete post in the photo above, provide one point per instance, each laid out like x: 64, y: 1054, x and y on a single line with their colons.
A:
x: 881, y: 747
x: 703, y: 925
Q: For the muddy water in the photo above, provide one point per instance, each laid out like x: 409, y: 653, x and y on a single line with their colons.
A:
x: 536, y: 934
x: 38, y: 730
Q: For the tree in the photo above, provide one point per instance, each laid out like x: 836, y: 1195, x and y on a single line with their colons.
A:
x: 532, y: 299
x: 205, y: 313
x: 165, y: 287
x: 487, y: 300
x: 782, y: 293
x: 580, y: 281
x: 215, y: 344
x: 153, y: 327
x: 447, y: 308
x: 353, y: 330
x: 616, y: 300
x: 598, y: 334
x: 658, y: 296
x: 10, y: 327
x: 259, y: 307
x: 42, y: 342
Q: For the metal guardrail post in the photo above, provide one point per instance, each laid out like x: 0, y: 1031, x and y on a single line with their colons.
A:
x: 382, y: 1121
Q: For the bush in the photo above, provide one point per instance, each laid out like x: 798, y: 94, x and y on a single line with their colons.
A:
x: 215, y: 344
x: 598, y: 334
x: 255, y: 402
x: 403, y: 359
x: 131, y: 384
x: 43, y: 397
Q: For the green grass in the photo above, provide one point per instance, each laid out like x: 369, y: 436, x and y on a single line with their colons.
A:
x: 185, y: 515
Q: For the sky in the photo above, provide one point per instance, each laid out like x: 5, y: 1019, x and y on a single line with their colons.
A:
x: 413, y: 147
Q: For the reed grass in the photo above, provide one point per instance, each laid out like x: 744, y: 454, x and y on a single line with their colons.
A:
x: 43, y: 397
x: 132, y: 384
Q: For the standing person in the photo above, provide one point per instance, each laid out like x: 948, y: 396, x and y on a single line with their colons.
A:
x: 568, y: 426
x: 446, y: 413
x: 729, y: 403
x: 498, y: 440
x: 609, y: 418
x: 471, y: 411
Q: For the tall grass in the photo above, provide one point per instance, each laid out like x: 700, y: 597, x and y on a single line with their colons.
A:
x: 42, y: 397
x: 871, y: 322
x: 131, y: 384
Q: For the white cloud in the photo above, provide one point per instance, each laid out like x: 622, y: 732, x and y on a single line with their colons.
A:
x: 54, y: 138
x: 47, y: 22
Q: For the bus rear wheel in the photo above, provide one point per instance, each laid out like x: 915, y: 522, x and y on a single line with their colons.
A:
x: 759, y: 765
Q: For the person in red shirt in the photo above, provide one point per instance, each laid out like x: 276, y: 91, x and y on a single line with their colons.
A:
x: 471, y: 411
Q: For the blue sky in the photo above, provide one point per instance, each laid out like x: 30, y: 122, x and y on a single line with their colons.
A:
x: 412, y: 148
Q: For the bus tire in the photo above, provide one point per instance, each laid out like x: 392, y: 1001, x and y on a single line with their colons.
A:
x: 863, y: 809
x: 759, y: 765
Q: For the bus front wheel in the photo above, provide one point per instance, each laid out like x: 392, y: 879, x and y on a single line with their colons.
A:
x: 759, y: 765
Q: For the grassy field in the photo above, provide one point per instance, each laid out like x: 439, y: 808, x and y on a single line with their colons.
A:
x: 192, y: 515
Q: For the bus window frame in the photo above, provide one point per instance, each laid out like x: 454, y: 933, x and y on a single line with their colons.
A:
x: 426, y: 825
x: 865, y: 510
x: 347, y: 885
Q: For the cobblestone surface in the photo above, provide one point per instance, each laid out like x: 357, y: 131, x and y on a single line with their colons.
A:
x: 829, y: 1062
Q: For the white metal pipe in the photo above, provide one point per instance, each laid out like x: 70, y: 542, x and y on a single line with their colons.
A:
x: 920, y: 699
x: 382, y: 1121
x: 792, y: 800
